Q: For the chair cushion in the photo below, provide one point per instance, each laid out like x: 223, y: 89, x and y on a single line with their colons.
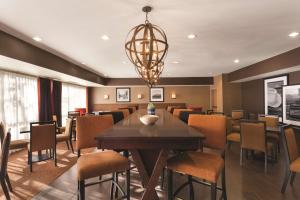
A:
x: 198, y: 164
x: 62, y: 137
x: 295, y: 165
x: 18, y: 144
x: 234, y: 137
x: 100, y: 163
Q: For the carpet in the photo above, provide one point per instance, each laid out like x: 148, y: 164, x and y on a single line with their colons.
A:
x: 26, y: 184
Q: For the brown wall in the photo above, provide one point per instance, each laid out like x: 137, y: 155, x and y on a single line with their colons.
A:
x: 192, y: 95
x: 232, y: 95
x: 253, y: 93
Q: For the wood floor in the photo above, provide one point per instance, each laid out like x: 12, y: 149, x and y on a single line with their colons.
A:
x: 243, y: 183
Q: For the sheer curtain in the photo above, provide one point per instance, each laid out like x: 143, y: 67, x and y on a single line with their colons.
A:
x: 73, y: 96
x: 18, y: 102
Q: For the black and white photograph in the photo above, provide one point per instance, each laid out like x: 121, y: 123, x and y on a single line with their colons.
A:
x: 123, y: 94
x: 157, y: 94
x: 291, y: 104
x: 273, y: 95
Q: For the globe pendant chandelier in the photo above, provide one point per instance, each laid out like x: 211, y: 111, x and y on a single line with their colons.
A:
x: 146, y: 47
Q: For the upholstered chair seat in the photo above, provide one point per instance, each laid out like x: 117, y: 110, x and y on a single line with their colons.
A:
x: 295, y: 165
x: 100, y: 163
x: 18, y: 144
x: 198, y: 164
x: 62, y: 137
x: 234, y: 137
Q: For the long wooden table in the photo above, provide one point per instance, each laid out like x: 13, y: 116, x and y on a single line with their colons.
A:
x: 150, y: 145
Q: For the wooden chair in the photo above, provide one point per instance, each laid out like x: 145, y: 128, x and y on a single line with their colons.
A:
x: 254, y: 138
x: 15, y: 144
x: 42, y: 137
x: 177, y: 111
x: 3, y: 166
x: 232, y: 136
x: 98, y: 163
x: 67, y: 135
x: 236, y: 116
x: 117, y: 115
x: 184, y: 115
x: 211, y: 112
x: 202, y: 165
x: 58, y: 129
x: 273, y: 122
x: 125, y: 111
x: 291, y: 155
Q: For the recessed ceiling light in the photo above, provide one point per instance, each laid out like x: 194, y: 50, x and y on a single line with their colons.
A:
x: 37, y: 39
x: 124, y: 62
x: 175, y: 62
x: 83, y: 63
x: 210, y: 73
x: 236, y: 61
x: 105, y: 37
x: 293, y: 34
x: 191, y: 36
x: 105, y: 75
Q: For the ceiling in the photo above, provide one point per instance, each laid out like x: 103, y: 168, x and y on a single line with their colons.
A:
x: 250, y: 31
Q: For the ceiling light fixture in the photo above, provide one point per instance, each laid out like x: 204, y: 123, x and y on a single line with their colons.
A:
x: 293, y: 34
x: 146, y: 47
x: 191, y: 36
x: 105, y: 37
x: 105, y: 75
x: 175, y: 62
x: 236, y: 61
x: 37, y: 39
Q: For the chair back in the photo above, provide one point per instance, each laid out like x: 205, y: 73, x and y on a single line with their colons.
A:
x: 271, y: 121
x: 184, y: 115
x: 42, y: 135
x: 125, y: 111
x: 117, y: 115
x: 177, y: 111
x: 237, y: 114
x: 4, y: 155
x: 290, y: 143
x: 253, y: 135
x: 213, y: 127
x: 88, y: 127
x: 69, y: 126
x: 228, y: 125
x: 54, y: 118
x: 2, y: 132
x: 133, y: 108
x: 169, y: 108
x: 73, y: 114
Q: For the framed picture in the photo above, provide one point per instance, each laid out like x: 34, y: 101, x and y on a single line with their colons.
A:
x: 157, y: 94
x: 123, y: 94
x: 273, y: 95
x: 291, y: 104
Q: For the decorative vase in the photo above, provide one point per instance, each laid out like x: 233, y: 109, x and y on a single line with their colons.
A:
x: 151, y: 109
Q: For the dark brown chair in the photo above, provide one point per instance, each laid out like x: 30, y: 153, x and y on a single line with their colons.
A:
x: 291, y: 154
x: 125, y: 111
x: 99, y: 163
x: 202, y: 165
x: 177, y: 111
x: 254, y: 138
x: 67, y: 135
x: 15, y: 144
x: 42, y: 137
x: 3, y: 170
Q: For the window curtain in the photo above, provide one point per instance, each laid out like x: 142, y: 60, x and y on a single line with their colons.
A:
x: 73, y: 96
x: 44, y: 94
x: 56, y: 100
x: 18, y: 102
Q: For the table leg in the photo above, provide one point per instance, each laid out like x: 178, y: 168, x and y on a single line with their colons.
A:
x: 150, y: 164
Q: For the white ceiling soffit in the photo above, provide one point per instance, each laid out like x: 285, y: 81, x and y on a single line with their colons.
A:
x: 250, y: 31
x: 270, y: 74
x: 18, y: 66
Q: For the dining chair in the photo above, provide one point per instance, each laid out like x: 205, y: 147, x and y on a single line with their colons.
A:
x: 4, y: 180
x: 58, y: 129
x: 184, y: 115
x: 42, y: 137
x: 125, y: 111
x: 236, y: 116
x: 232, y: 136
x: 254, y: 138
x: 177, y: 111
x: 202, y: 165
x: 67, y: 135
x: 117, y: 115
x: 291, y: 154
x: 96, y: 164
x: 72, y: 114
x: 211, y: 112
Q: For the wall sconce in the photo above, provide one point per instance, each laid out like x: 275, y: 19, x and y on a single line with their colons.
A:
x: 139, y: 96
x: 173, y: 96
x: 106, y: 96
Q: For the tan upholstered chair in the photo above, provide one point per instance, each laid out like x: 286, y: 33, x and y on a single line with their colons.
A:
x: 273, y: 122
x: 254, y: 138
x: 177, y: 111
x: 291, y: 155
x: 58, y: 129
x: 236, y: 116
x: 15, y: 144
x: 42, y: 137
x: 202, y: 165
x: 3, y: 166
x: 232, y: 136
x: 98, y: 163
x: 125, y: 111
x: 66, y: 136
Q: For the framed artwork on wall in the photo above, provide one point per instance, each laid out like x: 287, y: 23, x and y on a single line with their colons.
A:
x: 291, y: 104
x: 157, y: 94
x: 273, y: 95
x: 122, y: 94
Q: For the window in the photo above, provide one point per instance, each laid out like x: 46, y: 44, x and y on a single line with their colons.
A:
x: 73, y: 96
x: 18, y: 102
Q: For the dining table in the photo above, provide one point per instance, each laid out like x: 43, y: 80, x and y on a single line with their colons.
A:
x: 150, y: 145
